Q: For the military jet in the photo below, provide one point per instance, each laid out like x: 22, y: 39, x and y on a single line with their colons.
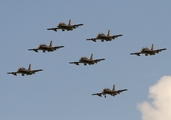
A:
x: 64, y: 26
x: 24, y: 71
x: 86, y: 61
x: 103, y: 37
x: 148, y: 51
x: 45, y: 48
x: 112, y: 92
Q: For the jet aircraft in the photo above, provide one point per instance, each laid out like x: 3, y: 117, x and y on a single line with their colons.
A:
x: 148, y: 51
x: 86, y: 60
x: 45, y: 48
x: 24, y: 71
x: 64, y: 26
x: 112, y: 92
x: 103, y: 37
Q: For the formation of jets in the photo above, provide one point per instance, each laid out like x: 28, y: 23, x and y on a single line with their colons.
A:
x: 108, y: 91
x: 45, y: 48
x: 24, y: 71
x: 148, y: 51
x: 86, y: 61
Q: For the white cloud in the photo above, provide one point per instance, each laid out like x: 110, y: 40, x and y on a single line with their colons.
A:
x: 160, y: 107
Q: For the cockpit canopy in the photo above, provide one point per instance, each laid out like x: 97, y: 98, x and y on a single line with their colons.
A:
x: 83, y: 58
x: 61, y: 23
x: 100, y: 34
x: 43, y: 44
x: 21, y: 68
x: 144, y: 48
x: 106, y: 89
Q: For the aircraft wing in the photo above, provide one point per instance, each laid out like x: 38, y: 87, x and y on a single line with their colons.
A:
x: 98, y: 94
x: 159, y: 50
x: 54, y: 29
x: 93, y: 39
x: 98, y: 60
x: 77, y: 25
x: 57, y: 47
x: 14, y: 73
x: 136, y: 53
x: 119, y: 91
x: 37, y: 70
x: 34, y: 49
x: 76, y: 63
x: 115, y: 36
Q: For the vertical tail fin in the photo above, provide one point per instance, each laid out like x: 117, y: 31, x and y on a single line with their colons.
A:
x: 113, y: 88
x: 50, y: 45
x: 152, y: 47
x: 29, y: 67
x: 91, y: 57
x: 69, y: 23
x: 108, y: 33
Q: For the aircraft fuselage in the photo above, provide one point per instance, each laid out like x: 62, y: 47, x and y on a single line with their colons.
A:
x: 86, y: 61
x: 147, y: 51
x: 103, y: 37
x: 45, y: 47
x: 24, y: 71
x: 109, y: 92
x: 64, y: 27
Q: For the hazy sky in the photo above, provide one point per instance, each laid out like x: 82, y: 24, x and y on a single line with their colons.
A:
x: 63, y: 91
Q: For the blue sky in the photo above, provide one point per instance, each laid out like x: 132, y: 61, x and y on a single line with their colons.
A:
x: 63, y: 91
